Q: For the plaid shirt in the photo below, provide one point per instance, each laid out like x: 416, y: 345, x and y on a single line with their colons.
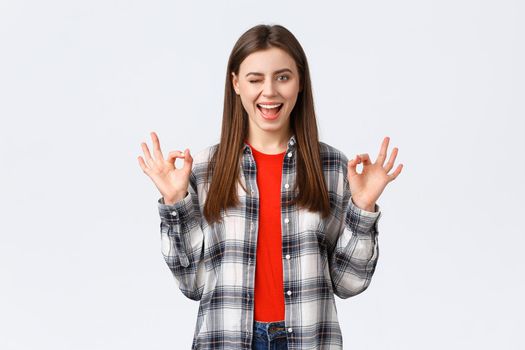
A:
x: 321, y: 257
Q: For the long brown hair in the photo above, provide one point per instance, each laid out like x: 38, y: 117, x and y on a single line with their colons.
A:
x: 312, y: 191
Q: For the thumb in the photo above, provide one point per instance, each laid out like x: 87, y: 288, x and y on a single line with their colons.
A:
x: 188, y: 160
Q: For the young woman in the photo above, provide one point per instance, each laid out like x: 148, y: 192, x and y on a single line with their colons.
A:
x: 267, y: 225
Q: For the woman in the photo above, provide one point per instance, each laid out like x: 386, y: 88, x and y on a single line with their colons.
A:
x: 267, y: 225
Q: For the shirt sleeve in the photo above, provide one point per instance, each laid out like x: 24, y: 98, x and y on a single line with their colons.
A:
x: 182, y: 241
x: 352, y: 235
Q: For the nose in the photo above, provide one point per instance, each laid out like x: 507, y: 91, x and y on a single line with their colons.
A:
x: 268, y: 88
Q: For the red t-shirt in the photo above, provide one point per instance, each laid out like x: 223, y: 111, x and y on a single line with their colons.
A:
x: 269, y: 288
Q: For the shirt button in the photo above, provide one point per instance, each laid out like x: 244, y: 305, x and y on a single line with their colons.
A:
x: 289, y: 330
x: 251, y: 225
x: 286, y: 186
x: 289, y: 292
x: 253, y: 191
x: 288, y: 256
x: 291, y: 142
x: 289, y: 154
x: 174, y: 213
x: 286, y: 220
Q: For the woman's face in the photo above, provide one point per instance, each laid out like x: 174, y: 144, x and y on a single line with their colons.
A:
x: 268, y: 78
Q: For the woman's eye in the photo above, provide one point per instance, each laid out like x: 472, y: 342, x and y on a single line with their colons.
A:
x: 281, y: 76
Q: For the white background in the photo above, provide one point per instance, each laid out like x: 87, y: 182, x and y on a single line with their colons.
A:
x: 82, y: 83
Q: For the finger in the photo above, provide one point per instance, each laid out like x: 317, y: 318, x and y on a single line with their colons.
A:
x: 173, y: 155
x: 391, y: 160
x: 156, y: 146
x: 352, y: 171
x: 147, y: 155
x: 365, y: 158
x: 395, y: 173
x: 382, y: 152
x: 143, y: 165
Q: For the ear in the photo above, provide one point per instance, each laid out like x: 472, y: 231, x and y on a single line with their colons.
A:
x: 235, y: 83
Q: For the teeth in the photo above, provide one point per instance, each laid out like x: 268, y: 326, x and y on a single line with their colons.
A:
x: 269, y: 106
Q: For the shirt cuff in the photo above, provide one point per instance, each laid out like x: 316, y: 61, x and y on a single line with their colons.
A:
x: 177, y: 212
x: 362, y: 221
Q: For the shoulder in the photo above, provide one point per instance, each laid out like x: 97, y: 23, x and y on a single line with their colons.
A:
x: 203, y: 156
x: 335, y: 168
x: 332, y: 157
x: 199, y: 171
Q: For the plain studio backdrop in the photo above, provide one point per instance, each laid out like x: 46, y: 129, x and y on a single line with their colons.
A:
x: 83, y: 83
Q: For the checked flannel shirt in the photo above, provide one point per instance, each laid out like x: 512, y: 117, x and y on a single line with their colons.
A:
x: 215, y: 264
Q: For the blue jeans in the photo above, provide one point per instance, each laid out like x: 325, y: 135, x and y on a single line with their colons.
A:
x: 269, y: 336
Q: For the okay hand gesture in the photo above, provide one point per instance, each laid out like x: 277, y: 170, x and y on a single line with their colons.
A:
x: 367, y: 186
x: 171, y: 182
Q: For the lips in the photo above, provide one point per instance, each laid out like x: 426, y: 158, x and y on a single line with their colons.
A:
x: 270, y: 113
x: 263, y: 108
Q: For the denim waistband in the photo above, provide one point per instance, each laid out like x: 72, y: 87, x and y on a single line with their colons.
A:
x: 270, y: 329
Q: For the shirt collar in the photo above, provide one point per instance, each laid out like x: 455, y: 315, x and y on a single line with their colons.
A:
x: 291, y: 145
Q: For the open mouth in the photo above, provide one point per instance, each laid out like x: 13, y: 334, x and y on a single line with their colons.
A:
x: 270, y: 111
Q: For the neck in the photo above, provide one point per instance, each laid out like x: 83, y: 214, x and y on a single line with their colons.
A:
x: 269, y: 142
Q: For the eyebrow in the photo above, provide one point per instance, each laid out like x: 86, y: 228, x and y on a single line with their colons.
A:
x: 276, y: 72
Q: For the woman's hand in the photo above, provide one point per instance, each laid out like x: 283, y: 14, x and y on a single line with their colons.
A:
x: 171, y: 182
x: 367, y: 186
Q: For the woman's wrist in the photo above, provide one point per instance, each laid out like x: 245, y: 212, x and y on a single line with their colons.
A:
x: 175, y: 199
x: 365, y: 206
